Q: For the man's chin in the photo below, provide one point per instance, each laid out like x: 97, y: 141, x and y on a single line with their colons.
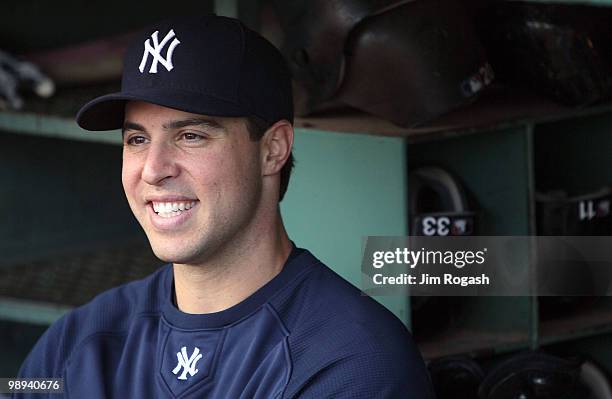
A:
x: 185, y: 251
x: 172, y: 255
x: 184, y: 256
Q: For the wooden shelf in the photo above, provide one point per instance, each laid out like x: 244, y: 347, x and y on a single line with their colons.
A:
x: 495, y: 108
x: 472, y: 342
x: 587, y: 323
x: 55, y: 117
x: 53, y: 126
x: 40, y: 291
x: 31, y: 312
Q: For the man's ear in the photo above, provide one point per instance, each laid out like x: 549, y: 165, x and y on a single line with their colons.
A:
x: 276, y: 145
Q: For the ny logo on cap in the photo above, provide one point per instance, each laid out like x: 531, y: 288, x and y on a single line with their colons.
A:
x: 155, y: 51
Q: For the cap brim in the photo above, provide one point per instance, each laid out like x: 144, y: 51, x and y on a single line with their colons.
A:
x: 108, y: 112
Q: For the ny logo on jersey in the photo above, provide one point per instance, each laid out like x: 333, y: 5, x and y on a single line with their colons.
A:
x: 188, y: 364
x: 155, y: 52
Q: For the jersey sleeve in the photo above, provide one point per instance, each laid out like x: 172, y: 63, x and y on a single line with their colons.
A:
x: 370, y: 376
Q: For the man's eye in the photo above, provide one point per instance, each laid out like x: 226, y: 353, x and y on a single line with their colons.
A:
x: 136, y: 140
x: 192, y: 136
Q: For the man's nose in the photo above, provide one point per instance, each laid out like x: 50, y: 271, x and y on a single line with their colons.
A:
x: 160, y: 164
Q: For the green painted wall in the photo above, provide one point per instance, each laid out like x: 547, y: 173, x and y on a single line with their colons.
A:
x: 345, y: 187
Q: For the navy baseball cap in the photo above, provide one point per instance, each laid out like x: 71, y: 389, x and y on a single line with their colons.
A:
x: 208, y: 65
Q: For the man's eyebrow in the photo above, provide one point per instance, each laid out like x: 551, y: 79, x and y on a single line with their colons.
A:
x: 131, y: 126
x: 202, y: 122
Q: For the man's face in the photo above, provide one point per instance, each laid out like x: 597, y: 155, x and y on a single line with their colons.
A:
x: 193, y: 182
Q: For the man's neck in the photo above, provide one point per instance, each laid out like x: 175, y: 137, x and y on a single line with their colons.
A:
x: 221, y: 284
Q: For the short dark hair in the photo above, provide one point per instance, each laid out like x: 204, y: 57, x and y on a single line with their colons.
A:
x: 257, y: 127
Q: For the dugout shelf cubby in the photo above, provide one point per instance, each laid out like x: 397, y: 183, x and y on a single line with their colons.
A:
x: 574, y: 155
x: 493, y: 165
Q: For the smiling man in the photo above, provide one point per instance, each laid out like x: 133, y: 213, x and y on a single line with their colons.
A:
x: 239, y: 311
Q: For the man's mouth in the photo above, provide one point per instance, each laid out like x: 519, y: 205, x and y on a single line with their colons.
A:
x: 172, y: 209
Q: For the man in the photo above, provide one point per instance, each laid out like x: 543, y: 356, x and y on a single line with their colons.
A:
x: 239, y: 312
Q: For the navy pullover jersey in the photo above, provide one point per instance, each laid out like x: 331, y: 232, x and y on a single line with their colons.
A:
x: 307, y: 333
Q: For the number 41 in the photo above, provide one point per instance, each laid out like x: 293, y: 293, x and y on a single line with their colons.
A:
x: 587, y: 210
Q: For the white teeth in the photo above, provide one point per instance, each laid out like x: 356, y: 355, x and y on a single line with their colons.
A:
x: 170, y: 209
x: 169, y: 214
